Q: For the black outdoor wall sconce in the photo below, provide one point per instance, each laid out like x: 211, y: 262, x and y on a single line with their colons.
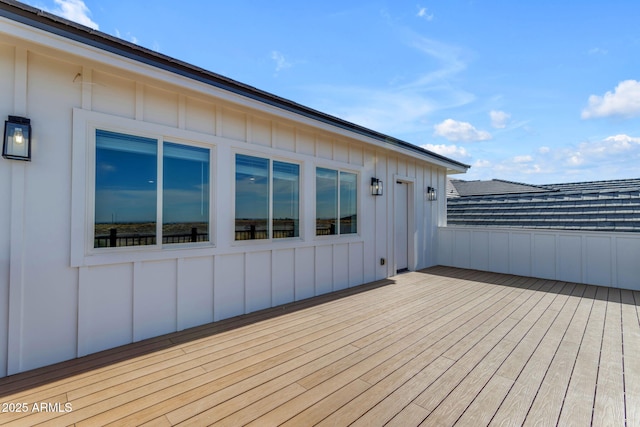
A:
x: 376, y: 187
x: 17, y: 139
x: 432, y: 194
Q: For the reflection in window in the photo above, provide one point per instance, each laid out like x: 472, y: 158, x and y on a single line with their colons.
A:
x: 126, y: 195
x: 267, y: 199
x: 185, y: 194
x: 326, y: 201
x: 348, y: 204
x: 252, y: 198
x: 336, y: 202
x: 286, y: 199
x: 126, y: 192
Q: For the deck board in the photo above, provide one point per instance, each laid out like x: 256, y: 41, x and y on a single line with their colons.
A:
x: 438, y: 347
x: 547, y: 405
x: 579, y: 398
x: 515, y: 408
x: 630, y: 337
x: 609, y: 406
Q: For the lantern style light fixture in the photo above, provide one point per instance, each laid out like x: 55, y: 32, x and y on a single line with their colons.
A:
x: 432, y: 194
x: 17, y: 139
x: 376, y: 187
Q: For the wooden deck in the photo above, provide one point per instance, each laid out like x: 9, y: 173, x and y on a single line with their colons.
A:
x: 438, y: 347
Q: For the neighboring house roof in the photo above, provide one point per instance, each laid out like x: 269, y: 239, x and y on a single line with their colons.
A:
x: 495, y: 186
x: 597, y: 205
x: 56, y: 25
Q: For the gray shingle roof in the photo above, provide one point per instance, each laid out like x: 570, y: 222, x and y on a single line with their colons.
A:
x: 597, y: 205
x: 495, y: 186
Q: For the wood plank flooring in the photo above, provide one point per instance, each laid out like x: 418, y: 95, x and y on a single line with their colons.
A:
x: 438, y: 347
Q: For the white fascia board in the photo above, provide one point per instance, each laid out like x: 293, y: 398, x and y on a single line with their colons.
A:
x: 53, y: 41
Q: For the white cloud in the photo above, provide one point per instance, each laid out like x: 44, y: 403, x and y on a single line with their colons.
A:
x: 575, y: 160
x: 280, y: 60
x: 622, y: 151
x: 452, y: 151
x: 623, y: 102
x: 519, y: 172
x: 401, y: 104
x: 480, y: 163
x: 423, y: 13
x: 506, y: 169
x: 614, y: 157
x: 395, y: 112
x: 598, y: 51
x: 76, y: 11
x: 523, y: 159
x: 499, y: 119
x: 622, y: 141
x: 449, y: 57
x: 460, y: 131
x: 399, y: 109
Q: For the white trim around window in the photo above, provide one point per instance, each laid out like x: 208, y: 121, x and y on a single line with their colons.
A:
x: 336, y: 225
x: 270, y: 172
x: 84, y: 249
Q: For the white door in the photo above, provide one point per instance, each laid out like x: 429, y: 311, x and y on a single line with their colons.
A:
x: 402, y: 225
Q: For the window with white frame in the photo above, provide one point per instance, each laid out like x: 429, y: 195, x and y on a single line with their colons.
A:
x: 149, y: 191
x: 336, y: 202
x: 267, y: 198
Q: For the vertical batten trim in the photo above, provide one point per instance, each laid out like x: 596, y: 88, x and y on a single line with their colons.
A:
x: 613, y: 241
x: 182, y: 111
x: 176, y: 301
x: 249, y: 129
x: 20, y: 84
x: 179, y: 274
x: 218, y: 121
x: 136, y: 274
x: 81, y: 338
x: 139, y: 101
x: 244, y: 282
x: 16, y: 233
x: 215, y: 269
x: 87, y: 77
x: 584, y: 273
x: 275, y: 135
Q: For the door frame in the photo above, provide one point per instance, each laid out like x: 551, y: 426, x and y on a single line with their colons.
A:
x: 411, y: 228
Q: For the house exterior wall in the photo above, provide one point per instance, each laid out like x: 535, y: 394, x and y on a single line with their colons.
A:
x: 59, y: 299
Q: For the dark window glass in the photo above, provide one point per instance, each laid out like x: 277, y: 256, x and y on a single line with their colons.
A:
x: 252, y: 198
x: 185, y: 195
x: 126, y: 190
x: 336, y: 202
x: 348, y: 203
x: 286, y: 200
x: 326, y: 201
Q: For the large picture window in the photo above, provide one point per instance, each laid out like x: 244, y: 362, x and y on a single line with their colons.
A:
x: 267, y: 198
x: 336, y: 202
x: 185, y: 194
x: 128, y: 189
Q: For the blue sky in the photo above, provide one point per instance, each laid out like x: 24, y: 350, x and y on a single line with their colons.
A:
x: 537, y: 92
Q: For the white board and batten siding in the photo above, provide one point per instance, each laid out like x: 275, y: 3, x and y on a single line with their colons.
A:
x: 596, y: 258
x: 59, y: 299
